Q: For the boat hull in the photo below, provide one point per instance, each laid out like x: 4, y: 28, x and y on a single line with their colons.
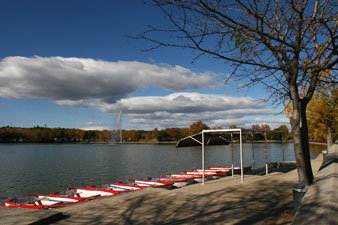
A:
x: 177, y: 182
x: 197, y: 177
x: 41, y: 202
x: 124, y: 187
x: 156, y: 184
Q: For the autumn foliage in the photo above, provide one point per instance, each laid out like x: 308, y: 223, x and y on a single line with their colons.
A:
x: 322, y: 115
x: 51, y: 135
x: 62, y: 135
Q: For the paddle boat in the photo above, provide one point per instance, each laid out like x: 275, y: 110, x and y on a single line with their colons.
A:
x: 148, y: 183
x: 71, y: 193
x: 214, y: 175
x: 86, y: 193
x: 236, y: 168
x: 110, y: 188
x: 224, y: 168
x: 124, y: 187
x: 218, y: 173
x: 213, y: 170
x: 41, y: 201
x: 197, y: 177
x: 178, y: 181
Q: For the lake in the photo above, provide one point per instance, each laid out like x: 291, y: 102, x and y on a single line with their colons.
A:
x: 46, y: 168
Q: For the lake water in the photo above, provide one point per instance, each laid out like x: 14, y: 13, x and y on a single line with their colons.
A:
x: 46, y: 168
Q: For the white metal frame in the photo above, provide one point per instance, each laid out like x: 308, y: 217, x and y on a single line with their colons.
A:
x: 240, y: 147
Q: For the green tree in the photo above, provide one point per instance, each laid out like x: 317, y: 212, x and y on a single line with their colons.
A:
x: 281, y: 133
x: 162, y: 135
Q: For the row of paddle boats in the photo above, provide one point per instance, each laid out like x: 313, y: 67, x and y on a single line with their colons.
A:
x: 76, y: 194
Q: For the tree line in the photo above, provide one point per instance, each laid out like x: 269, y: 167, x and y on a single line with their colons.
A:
x: 65, y: 135
x: 51, y: 135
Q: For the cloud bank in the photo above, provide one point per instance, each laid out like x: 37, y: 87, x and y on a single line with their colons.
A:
x: 81, y: 80
x: 106, y: 86
x: 183, y: 108
x: 182, y: 103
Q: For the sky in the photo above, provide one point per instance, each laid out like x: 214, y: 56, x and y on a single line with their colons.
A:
x: 71, y: 64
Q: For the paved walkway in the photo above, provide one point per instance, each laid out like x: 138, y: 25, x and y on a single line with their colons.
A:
x: 260, y: 200
x: 320, y: 203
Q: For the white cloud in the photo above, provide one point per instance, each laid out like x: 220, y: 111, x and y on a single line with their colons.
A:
x: 182, y: 103
x: 89, y: 123
x: 95, y: 128
x: 182, y: 109
x: 79, y: 81
x: 106, y: 85
x: 247, y: 122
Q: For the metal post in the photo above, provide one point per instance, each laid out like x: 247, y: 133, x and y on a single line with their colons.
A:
x: 232, y: 156
x: 241, y: 149
x: 266, y: 156
x: 283, y: 147
x: 253, y: 153
x: 203, y: 177
x: 241, y: 154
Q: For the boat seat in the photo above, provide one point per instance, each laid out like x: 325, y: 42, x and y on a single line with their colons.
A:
x: 38, y: 202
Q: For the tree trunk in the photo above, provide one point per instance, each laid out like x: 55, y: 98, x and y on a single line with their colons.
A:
x: 305, y: 141
x: 302, y: 155
x: 299, y: 155
x: 329, y: 137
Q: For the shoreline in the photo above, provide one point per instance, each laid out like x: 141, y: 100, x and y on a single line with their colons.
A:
x: 141, y: 142
x: 260, y: 199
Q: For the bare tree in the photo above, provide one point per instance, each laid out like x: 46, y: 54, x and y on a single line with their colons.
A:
x: 282, y: 45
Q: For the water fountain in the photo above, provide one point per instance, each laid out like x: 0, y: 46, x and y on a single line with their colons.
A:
x: 119, y: 123
x: 116, y: 133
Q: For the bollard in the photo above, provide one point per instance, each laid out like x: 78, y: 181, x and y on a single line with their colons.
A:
x: 324, y: 152
x: 298, y: 194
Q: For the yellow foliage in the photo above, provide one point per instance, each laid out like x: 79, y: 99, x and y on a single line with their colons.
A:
x: 322, y: 113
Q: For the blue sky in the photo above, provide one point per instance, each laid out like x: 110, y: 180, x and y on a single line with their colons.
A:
x: 70, y: 64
